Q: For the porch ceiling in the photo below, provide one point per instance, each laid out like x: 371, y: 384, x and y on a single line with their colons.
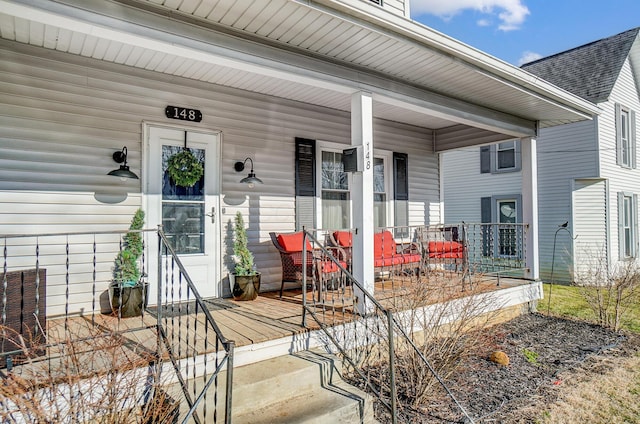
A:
x: 317, y: 52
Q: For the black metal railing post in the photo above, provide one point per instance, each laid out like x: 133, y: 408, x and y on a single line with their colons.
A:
x: 358, y: 337
x: 159, y: 295
x: 229, y: 389
x: 392, y: 369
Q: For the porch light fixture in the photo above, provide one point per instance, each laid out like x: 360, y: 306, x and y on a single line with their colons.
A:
x: 251, y: 180
x: 123, y: 172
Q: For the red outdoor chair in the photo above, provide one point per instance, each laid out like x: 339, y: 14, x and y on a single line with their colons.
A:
x: 319, y: 265
x: 386, y: 252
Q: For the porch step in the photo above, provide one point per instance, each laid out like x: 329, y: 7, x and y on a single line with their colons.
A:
x: 301, y: 388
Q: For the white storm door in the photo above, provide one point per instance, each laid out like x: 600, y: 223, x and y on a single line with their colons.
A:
x: 188, y: 215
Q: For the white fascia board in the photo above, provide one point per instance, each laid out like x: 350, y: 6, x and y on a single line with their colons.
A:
x: 498, y: 122
x: 398, y: 26
x: 141, y: 29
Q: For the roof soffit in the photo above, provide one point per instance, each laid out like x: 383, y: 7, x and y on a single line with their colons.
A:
x: 270, y: 57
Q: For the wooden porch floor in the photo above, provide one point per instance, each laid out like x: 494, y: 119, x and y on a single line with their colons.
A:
x: 264, y: 320
x: 268, y: 317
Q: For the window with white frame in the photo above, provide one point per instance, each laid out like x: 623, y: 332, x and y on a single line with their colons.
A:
x: 506, y: 155
x: 335, y: 195
x: 500, y: 157
x: 323, y: 188
x: 627, y: 225
x: 625, y: 136
x: 379, y: 194
x: 335, y: 186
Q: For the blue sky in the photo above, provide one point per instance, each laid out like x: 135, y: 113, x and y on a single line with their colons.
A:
x: 513, y: 30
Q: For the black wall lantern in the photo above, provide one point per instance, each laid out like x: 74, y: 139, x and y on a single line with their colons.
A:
x: 251, y: 179
x: 123, y: 172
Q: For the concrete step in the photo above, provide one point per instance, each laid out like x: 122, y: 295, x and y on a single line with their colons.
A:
x: 301, y: 388
x: 319, y: 406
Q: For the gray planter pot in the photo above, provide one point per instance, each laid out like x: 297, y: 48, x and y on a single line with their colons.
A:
x: 128, y: 302
x: 245, y: 287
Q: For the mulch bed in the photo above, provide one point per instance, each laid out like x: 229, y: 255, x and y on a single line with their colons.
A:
x: 519, y: 392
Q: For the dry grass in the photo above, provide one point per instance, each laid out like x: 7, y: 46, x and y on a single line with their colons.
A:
x: 608, y: 389
x: 591, y: 397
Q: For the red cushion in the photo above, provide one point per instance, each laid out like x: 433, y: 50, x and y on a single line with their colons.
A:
x: 292, y: 242
x: 446, y: 255
x: 411, y: 258
x: 445, y: 246
x: 330, y: 266
x: 344, y: 238
x: 387, y: 261
x: 384, y: 245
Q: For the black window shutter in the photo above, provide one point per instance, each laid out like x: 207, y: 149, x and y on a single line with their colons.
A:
x: 485, y: 159
x: 305, y: 179
x: 485, y: 218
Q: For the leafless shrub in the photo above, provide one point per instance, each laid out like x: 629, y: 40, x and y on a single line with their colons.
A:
x: 86, y: 375
x: 445, y: 331
x: 610, y: 291
x: 444, y: 325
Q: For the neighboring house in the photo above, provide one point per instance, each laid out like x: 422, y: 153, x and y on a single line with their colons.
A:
x: 587, y: 171
x: 288, y: 84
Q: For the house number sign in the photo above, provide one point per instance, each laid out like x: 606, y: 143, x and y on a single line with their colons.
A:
x: 183, y: 113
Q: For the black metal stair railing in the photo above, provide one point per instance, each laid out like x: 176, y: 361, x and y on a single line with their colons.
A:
x: 367, y: 336
x: 59, y: 331
x: 197, y: 349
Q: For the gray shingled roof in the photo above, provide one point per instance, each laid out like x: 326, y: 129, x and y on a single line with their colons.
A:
x: 588, y: 71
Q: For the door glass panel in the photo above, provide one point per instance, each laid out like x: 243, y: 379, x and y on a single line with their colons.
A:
x: 507, y: 232
x: 183, y: 207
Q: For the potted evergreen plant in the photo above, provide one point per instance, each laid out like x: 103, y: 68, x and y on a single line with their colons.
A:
x: 127, y: 291
x: 245, y: 280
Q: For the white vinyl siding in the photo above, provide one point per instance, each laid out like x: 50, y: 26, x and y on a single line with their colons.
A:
x: 399, y: 7
x: 621, y: 179
x: 591, y: 246
x: 423, y: 165
x: 464, y: 185
x: 62, y: 121
x: 565, y: 152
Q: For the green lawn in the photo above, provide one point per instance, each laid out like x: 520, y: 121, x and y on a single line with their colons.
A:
x: 566, y: 301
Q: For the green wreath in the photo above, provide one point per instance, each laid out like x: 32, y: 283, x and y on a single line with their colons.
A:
x: 184, y: 168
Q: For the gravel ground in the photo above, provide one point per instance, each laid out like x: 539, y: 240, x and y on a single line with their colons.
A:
x: 543, y: 352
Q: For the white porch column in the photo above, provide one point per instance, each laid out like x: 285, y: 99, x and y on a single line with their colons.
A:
x: 530, y: 205
x: 362, y: 191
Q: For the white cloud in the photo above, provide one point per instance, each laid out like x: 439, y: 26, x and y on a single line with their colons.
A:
x: 512, y: 13
x: 528, y: 57
x: 484, y: 22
